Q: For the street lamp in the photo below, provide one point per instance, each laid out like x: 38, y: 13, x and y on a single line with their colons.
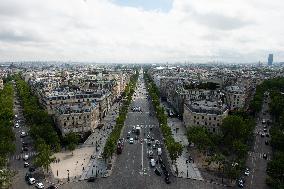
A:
x: 68, y: 179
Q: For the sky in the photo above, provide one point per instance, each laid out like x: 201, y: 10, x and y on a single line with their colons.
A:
x: 142, y: 31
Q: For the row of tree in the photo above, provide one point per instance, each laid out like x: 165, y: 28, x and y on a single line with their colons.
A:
x: 275, y: 168
x: 174, y: 148
x: 114, y: 136
x: 42, y: 128
x: 228, y: 148
x: 6, y: 133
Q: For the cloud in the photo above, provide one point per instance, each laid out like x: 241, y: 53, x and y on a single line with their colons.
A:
x: 103, y: 31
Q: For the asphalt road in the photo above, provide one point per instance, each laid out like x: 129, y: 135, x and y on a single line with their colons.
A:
x: 16, y: 161
x: 132, y: 168
x: 256, y: 162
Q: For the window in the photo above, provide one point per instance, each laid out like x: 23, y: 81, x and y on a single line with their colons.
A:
x: 214, y: 130
x: 214, y: 118
x: 67, y: 118
x: 202, y: 117
x: 64, y: 123
x: 209, y: 118
x: 78, y: 100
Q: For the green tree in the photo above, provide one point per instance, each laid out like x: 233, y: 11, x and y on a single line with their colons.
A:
x: 200, y: 137
x: 44, y: 157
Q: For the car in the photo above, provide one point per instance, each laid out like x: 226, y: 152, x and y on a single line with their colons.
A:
x: 26, y: 164
x: 190, y: 159
x: 163, y: 167
x: 266, y: 142
x: 151, y: 127
x: 167, y: 180
x: 26, y: 157
x: 264, y: 156
x: 28, y: 176
x: 152, y: 139
x: 25, y: 148
x: 24, y: 144
x: 240, y: 184
x: 149, y: 142
x: 128, y: 136
x: 39, y: 185
x: 154, y: 146
x: 32, y: 169
x: 31, y: 181
x: 17, y: 125
x: 158, y: 172
x: 247, y: 172
x: 131, y: 141
x: 136, y: 137
x: 133, y: 129
x: 152, y: 162
x: 263, y: 121
x: 150, y: 154
x: 267, y: 134
x: 265, y: 126
x: 23, y: 134
x: 262, y: 135
x: 52, y: 187
x: 157, y: 142
x: 148, y: 137
x: 265, y: 130
x: 93, y: 157
x: 160, y: 160
x: 91, y: 179
x: 166, y: 173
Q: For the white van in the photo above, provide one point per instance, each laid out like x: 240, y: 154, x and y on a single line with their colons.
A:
x: 159, y: 151
x: 31, y: 181
x: 26, y: 157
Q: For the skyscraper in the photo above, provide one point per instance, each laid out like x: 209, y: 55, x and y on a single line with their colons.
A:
x: 270, y: 59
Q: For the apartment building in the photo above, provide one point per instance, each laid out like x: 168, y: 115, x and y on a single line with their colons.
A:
x: 206, y: 114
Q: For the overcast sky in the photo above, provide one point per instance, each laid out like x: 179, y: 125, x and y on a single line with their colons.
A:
x: 142, y: 30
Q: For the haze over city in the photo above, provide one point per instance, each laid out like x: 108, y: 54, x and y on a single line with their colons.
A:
x: 141, y: 31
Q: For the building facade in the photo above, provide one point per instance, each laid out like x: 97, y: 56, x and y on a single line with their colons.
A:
x: 206, y: 114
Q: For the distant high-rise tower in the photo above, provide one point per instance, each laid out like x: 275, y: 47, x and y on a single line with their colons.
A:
x: 270, y: 59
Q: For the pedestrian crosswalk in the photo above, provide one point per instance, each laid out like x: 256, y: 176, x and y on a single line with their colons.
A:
x: 258, y: 155
x: 20, y: 156
x: 142, y: 126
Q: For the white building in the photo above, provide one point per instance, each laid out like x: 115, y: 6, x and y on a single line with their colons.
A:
x: 207, y: 114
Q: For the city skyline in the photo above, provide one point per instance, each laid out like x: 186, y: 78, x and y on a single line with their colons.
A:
x: 141, y: 31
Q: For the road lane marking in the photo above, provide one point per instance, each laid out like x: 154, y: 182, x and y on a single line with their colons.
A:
x: 142, y: 157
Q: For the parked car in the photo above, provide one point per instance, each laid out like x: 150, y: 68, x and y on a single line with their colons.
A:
x: 26, y: 164
x: 158, y: 172
x: 23, y: 134
x: 91, y: 179
x: 39, y: 185
x: 31, y: 181
x: 247, y: 172
x: 264, y: 156
x: 32, y: 169
x: 266, y: 142
x: 153, y: 163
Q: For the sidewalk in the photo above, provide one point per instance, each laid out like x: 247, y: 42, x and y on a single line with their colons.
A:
x: 85, y: 160
x: 181, y: 167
